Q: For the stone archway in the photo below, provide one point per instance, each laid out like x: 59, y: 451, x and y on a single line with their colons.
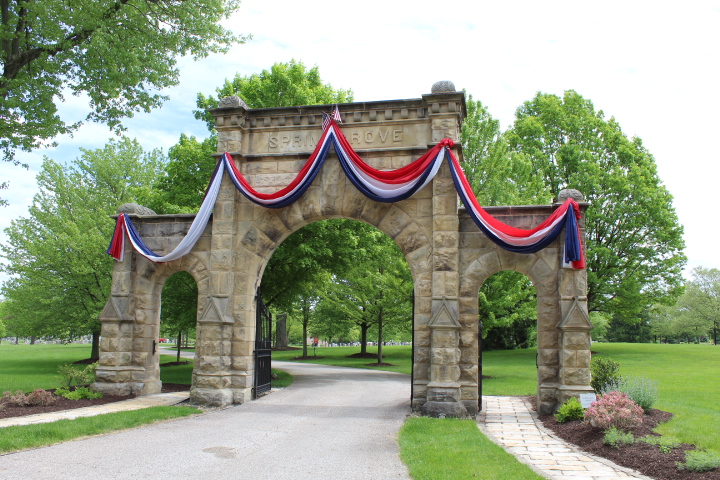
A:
x: 447, y: 255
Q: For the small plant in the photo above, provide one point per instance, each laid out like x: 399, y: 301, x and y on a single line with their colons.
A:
x: 17, y: 399
x: 665, y: 444
x: 79, y: 393
x: 605, y: 372
x: 614, y: 409
x: 615, y: 438
x: 81, y: 376
x: 569, y: 411
x: 641, y: 390
x: 699, y: 461
x: 39, y: 397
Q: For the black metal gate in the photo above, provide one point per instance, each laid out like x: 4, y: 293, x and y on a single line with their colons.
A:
x: 263, y: 347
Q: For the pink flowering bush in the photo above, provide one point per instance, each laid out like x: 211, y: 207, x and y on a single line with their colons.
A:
x: 614, y: 409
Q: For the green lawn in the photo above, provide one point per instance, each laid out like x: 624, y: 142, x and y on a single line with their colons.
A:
x: 27, y: 367
x: 688, y: 385
x: 439, y: 449
x: 32, y: 436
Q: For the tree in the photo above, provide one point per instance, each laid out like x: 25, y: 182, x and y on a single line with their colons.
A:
x: 376, y: 291
x: 634, y: 241
x: 177, y: 315
x: 699, y: 307
x: 60, y: 274
x: 507, y: 308
x: 284, y: 85
x: 118, y: 53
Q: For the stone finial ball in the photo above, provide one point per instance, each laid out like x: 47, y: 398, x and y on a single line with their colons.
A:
x: 443, y: 86
x: 570, y: 193
x: 232, y: 101
x: 135, y: 209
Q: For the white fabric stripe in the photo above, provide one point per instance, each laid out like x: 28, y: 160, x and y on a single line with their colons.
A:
x: 511, y: 239
x: 376, y: 186
x: 198, y: 225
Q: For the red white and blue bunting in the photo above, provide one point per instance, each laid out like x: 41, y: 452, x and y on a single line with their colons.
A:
x: 378, y: 185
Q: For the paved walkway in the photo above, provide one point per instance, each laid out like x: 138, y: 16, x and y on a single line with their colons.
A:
x: 510, y: 423
x: 157, y: 400
x: 332, y: 423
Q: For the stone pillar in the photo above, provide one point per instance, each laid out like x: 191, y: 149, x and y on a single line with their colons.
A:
x: 213, y: 355
x: 444, y: 392
x: 575, y: 325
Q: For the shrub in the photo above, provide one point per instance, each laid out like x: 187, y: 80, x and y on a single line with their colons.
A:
x: 79, y: 393
x: 605, y: 372
x: 665, y: 444
x: 614, y: 438
x: 699, y: 461
x: 81, y: 376
x: 641, y: 390
x: 569, y: 411
x: 614, y: 409
x: 17, y: 399
x: 39, y: 397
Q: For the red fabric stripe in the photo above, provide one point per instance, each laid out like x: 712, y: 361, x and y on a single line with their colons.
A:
x: 117, y: 244
x: 401, y: 175
x: 493, y: 222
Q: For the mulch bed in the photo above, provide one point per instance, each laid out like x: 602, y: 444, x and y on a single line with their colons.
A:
x: 645, y: 458
x: 62, y: 403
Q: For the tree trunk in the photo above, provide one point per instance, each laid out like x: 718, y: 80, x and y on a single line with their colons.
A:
x: 363, y: 337
x: 380, y: 338
x: 281, y: 338
x: 178, y: 346
x: 306, y: 320
x: 17, y: 340
x: 32, y: 340
x: 95, y: 348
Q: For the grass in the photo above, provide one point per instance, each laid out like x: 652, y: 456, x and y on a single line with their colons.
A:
x: 32, y: 436
x: 398, y: 355
x: 438, y: 449
x: 284, y: 379
x: 688, y: 385
x: 27, y: 367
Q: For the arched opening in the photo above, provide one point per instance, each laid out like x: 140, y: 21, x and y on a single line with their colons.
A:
x: 344, y: 288
x: 178, y: 323
x: 508, y: 323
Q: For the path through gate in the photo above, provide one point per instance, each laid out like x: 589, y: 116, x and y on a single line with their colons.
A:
x: 263, y: 347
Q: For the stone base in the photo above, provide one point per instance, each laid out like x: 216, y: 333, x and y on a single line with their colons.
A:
x: 126, y: 388
x: 211, y: 397
x: 242, y: 395
x: 566, y: 392
x: 471, y: 407
x: 447, y: 409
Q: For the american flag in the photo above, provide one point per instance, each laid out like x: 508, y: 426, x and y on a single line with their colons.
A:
x: 326, y: 118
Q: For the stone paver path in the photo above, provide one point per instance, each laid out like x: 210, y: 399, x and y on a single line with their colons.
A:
x: 510, y: 423
x: 158, y: 400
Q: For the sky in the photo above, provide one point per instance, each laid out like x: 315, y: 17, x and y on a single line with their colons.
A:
x: 653, y: 66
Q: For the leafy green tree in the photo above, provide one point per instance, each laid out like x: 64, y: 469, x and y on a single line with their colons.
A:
x: 634, y: 240
x: 699, y: 307
x: 284, y: 85
x: 118, y: 53
x: 59, y: 273
x: 507, y: 308
x: 376, y: 291
x: 498, y: 175
x: 661, y: 322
